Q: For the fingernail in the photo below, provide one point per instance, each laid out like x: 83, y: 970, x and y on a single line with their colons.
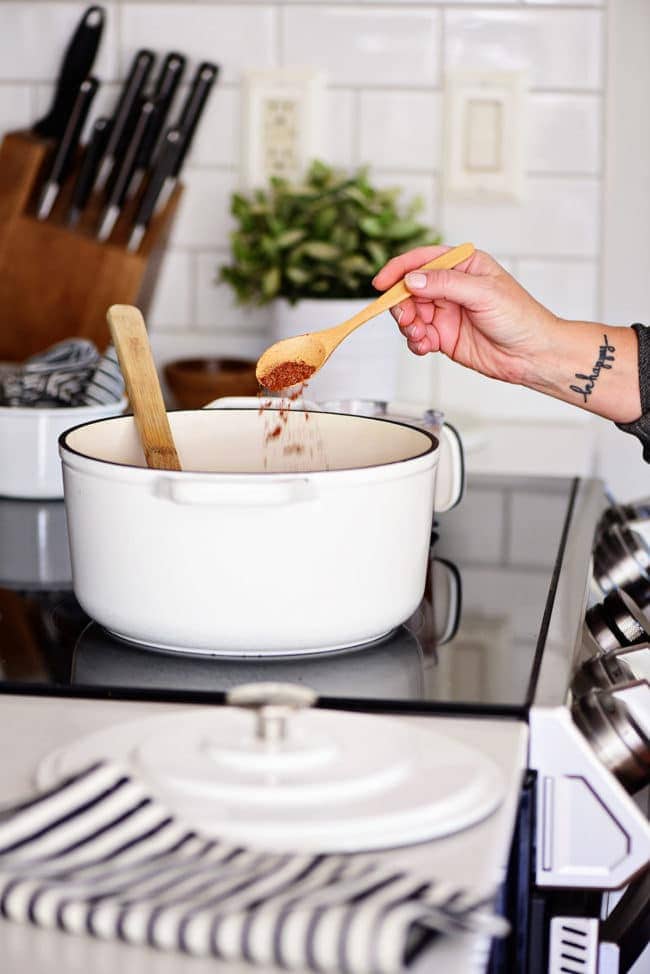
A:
x: 416, y: 279
x: 398, y: 312
x: 374, y: 279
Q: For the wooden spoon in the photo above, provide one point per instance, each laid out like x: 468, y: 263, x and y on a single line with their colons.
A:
x: 294, y: 360
x: 136, y: 362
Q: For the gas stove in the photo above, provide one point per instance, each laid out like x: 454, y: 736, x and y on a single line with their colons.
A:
x: 514, y: 625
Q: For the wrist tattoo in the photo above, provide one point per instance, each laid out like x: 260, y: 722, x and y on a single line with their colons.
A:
x: 605, y: 356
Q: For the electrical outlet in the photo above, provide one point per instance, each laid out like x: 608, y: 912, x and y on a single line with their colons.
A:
x: 282, y: 124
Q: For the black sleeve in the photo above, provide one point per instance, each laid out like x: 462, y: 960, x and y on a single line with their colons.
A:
x: 641, y: 427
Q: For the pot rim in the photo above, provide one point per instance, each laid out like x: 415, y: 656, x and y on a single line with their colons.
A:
x: 432, y: 447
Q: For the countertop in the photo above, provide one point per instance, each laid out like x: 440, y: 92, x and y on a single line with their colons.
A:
x: 30, y: 727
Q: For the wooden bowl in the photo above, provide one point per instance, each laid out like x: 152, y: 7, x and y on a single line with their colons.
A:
x: 194, y: 382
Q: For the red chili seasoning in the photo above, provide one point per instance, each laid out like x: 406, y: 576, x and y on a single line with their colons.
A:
x: 286, y: 374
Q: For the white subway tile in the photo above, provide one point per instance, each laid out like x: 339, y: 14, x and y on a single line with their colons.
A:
x: 216, y: 306
x: 565, y: 3
x: 568, y: 288
x: 362, y: 45
x: 171, y: 304
x: 217, y: 137
x: 167, y: 346
x: 401, y: 129
x: 564, y: 133
x: 559, y: 48
x: 527, y: 545
x: 34, y: 37
x: 557, y: 216
x: 203, y: 218
x: 15, y: 108
x: 463, y: 394
x: 236, y: 37
x: 340, y: 128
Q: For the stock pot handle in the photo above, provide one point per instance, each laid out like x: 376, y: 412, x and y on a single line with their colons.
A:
x: 450, y: 477
x: 233, y: 491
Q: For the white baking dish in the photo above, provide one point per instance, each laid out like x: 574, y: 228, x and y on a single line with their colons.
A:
x: 29, y: 458
x: 241, y: 553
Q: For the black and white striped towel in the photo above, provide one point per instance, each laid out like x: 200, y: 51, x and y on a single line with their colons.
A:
x: 70, y: 373
x: 98, y: 855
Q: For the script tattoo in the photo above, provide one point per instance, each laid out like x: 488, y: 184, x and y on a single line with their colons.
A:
x: 605, y: 355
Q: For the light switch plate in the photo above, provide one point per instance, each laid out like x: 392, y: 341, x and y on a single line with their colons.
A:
x: 485, y: 114
x: 282, y: 124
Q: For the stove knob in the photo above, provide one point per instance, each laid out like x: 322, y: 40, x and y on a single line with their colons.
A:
x: 616, y: 622
x: 273, y: 704
x: 617, y: 724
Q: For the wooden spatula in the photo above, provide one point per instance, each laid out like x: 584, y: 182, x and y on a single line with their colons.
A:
x: 131, y: 342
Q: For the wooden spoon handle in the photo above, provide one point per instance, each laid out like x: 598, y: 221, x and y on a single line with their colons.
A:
x: 399, y: 291
x: 131, y: 342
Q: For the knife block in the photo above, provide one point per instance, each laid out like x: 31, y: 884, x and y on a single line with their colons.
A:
x: 57, y: 282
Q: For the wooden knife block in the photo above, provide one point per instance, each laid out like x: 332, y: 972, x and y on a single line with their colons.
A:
x: 57, y: 282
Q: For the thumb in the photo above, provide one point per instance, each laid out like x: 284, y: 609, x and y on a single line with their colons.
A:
x: 448, y: 285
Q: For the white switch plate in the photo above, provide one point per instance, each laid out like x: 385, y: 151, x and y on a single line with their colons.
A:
x: 485, y: 114
x: 282, y: 124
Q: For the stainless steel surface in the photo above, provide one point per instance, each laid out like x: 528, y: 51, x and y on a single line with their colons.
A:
x: 617, y: 738
x: 617, y: 621
x: 601, y: 673
x: 565, y: 624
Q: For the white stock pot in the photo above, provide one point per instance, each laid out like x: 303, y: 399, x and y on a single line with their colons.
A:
x: 251, y: 550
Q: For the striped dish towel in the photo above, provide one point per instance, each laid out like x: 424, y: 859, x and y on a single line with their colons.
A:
x: 98, y: 855
x: 70, y: 373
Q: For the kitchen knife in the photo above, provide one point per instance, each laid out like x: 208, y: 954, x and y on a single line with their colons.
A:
x: 163, y: 94
x: 76, y: 66
x: 126, y: 111
x: 88, y: 169
x: 120, y: 183
x: 206, y: 75
x: 67, y: 147
x: 165, y: 164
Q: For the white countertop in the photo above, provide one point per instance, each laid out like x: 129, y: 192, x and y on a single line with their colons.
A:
x: 30, y: 727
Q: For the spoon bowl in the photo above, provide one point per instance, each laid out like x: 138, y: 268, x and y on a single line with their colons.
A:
x: 294, y: 360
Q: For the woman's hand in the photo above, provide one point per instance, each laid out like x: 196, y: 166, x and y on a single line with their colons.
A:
x: 479, y: 316
x: 476, y: 314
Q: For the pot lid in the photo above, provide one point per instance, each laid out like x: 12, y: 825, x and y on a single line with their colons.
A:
x: 292, y: 779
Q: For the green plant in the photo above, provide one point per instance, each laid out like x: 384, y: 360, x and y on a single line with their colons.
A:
x: 326, y: 237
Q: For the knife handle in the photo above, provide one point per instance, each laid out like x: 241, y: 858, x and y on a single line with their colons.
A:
x: 205, y: 77
x: 170, y: 76
x: 126, y: 113
x: 88, y: 169
x: 121, y: 182
x: 76, y: 65
x: 68, y: 145
x: 163, y: 169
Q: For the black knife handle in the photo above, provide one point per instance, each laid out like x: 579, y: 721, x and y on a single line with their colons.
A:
x: 76, y: 65
x: 165, y: 163
x: 205, y: 77
x: 144, y: 121
x: 88, y: 169
x: 126, y: 112
x: 169, y: 78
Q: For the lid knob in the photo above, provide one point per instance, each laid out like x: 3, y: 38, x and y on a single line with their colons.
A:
x: 273, y: 704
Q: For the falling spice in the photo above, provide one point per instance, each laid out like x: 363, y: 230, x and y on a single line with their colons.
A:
x: 286, y: 374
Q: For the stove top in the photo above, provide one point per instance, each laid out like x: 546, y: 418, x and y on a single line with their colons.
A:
x: 475, y: 644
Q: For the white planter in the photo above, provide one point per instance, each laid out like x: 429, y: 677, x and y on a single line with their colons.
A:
x: 365, y: 366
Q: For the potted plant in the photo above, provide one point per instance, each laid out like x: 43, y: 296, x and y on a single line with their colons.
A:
x: 312, y: 250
